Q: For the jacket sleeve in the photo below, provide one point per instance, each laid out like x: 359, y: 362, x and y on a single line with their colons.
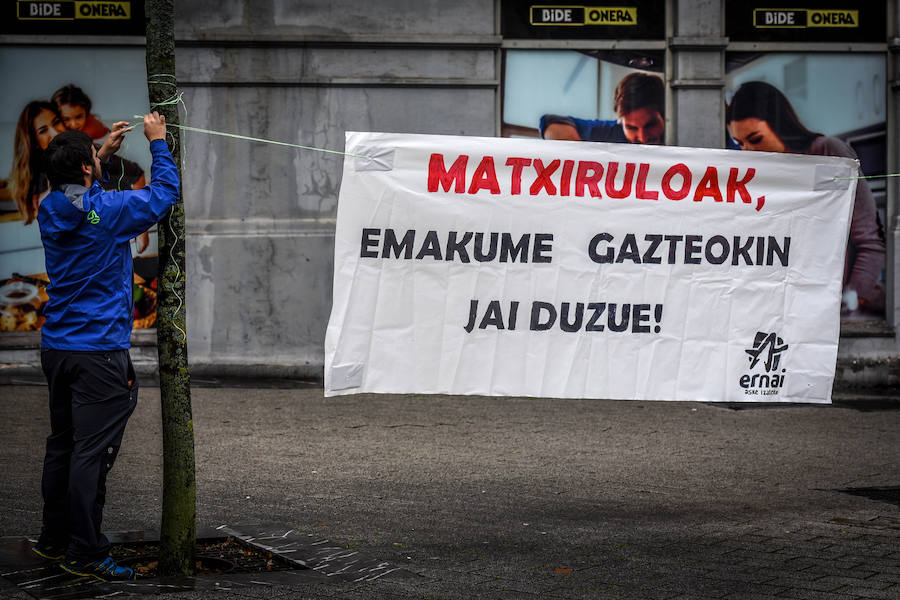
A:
x: 867, y: 239
x: 136, y: 211
x: 589, y: 130
x: 547, y: 120
x: 866, y: 257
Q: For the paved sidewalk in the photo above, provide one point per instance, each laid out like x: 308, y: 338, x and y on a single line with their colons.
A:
x: 518, y: 498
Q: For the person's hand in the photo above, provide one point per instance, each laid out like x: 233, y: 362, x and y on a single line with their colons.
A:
x: 155, y: 126
x: 114, y: 140
x: 561, y: 131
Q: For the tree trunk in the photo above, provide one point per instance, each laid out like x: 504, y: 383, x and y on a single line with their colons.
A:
x: 178, y: 528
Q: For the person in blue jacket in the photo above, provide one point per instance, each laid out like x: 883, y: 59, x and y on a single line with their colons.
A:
x: 93, y: 390
x: 640, y: 103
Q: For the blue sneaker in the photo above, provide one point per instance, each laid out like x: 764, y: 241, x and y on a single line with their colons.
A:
x: 49, y: 551
x: 104, y: 570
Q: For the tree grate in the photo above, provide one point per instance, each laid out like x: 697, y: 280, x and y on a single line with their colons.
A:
x: 240, y: 557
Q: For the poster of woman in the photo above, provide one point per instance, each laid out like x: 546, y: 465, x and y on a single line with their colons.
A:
x: 775, y: 104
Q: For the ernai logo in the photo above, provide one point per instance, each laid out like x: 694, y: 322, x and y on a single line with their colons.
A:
x: 767, y: 351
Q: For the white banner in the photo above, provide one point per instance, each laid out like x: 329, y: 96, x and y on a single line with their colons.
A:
x: 514, y: 267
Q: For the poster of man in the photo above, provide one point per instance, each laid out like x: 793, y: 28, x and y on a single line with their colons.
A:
x: 593, y: 96
x: 57, y: 89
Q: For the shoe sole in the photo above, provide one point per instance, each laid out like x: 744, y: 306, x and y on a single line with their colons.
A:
x: 48, y: 556
x: 72, y: 571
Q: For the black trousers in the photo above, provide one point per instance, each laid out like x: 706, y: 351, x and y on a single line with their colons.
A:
x: 92, y: 395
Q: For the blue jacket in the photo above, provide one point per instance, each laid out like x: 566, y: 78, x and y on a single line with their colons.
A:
x: 86, y: 233
x: 589, y: 130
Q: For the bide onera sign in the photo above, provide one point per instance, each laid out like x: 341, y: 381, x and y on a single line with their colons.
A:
x: 509, y: 267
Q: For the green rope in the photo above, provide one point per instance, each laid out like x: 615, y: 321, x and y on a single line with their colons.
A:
x: 868, y: 177
x: 261, y: 140
x: 176, y: 99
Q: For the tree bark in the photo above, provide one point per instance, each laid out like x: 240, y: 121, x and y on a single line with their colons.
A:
x: 178, y: 528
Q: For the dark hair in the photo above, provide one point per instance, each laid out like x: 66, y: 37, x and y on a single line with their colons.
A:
x: 72, y: 94
x: 640, y: 90
x: 65, y: 156
x: 760, y: 100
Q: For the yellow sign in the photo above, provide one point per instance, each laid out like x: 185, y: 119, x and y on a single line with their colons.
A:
x: 558, y: 16
x: 610, y: 15
x: 102, y: 10
x: 68, y: 10
x: 832, y: 18
x: 803, y: 18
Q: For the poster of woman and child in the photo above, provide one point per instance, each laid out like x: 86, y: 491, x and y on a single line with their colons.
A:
x: 58, y: 89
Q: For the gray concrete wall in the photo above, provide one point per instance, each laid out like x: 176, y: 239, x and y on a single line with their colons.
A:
x: 697, y: 71
x: 260, y: 218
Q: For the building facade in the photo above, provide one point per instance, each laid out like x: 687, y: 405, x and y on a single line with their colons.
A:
x: 261, y: 217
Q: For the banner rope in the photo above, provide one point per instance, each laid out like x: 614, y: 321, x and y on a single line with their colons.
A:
x: 261, y: 140
x: 330, y: 151
x: 868, y: 177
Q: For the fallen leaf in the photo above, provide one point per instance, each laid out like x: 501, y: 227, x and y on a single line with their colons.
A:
x: 564, y: 570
